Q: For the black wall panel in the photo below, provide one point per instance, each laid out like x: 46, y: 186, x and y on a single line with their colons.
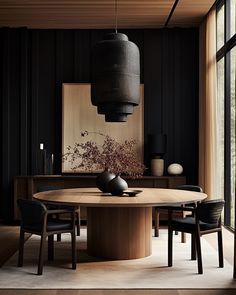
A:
x: 43, y: 92
x: 171, y: 94
x: 35, y: 63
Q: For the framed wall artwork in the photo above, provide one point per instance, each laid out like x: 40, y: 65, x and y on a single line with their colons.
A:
x: 79, y: 115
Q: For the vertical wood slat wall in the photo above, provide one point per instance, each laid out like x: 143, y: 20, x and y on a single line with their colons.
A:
x: 35, y: 63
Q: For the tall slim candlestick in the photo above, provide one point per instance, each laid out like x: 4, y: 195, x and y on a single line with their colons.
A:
x: 44, y: 162
x: 41, y: 159
x: 52, y: 163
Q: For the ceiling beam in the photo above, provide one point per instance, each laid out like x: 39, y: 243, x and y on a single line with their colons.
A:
x: 171, y: 12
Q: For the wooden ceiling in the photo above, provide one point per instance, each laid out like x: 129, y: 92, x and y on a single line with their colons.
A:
x: 100, y: 14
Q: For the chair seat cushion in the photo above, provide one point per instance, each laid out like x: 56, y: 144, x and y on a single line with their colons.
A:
x: 188, y: 224
x: 66, y: 207
x: 57, y: 224
x: 52, y: 225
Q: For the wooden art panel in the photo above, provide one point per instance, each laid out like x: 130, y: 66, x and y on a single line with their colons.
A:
x: 80, y: 115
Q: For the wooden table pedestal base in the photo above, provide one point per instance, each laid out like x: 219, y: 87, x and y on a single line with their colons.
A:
x: 119, y: 233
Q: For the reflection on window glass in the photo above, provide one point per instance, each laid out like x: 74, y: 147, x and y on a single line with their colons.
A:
x: 219, y: 179
x: 233, y: 130
x: 220, y: 27
x: 232, y: 17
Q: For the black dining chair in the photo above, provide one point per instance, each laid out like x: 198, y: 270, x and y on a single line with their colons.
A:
x: 37, y: 219
x: 159, y: 209
x: 205, y: 219
x: 44, y: 188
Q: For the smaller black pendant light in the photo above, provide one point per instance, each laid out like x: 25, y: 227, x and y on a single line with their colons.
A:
x: 115, y: 88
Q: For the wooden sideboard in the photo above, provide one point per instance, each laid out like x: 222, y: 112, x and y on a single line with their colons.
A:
x: 26, y: 186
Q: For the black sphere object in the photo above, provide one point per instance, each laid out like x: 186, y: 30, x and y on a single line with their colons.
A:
x: 115, y: 87
x: 103, y: 180
x: 117, y: 185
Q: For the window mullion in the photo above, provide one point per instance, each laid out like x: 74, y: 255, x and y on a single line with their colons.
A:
x: 226, y: 48
x: 220, y: 3
x: 227, y: 151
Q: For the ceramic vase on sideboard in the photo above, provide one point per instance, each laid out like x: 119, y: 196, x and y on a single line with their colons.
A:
x: 157, y: 167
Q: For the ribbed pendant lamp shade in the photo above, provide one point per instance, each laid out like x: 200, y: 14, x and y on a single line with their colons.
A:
x: 115, y: 88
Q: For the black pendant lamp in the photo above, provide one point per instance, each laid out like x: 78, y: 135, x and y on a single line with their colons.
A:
x: 115, y: 88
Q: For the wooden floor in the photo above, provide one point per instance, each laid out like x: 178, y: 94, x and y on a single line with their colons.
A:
x: 9, y: 244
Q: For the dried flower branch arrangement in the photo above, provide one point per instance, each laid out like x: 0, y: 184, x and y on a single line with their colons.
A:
x: 117, y: 157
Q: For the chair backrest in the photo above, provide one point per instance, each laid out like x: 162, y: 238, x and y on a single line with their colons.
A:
x: 188, y: 187
x: 210, y: 211
x: 32, y: 212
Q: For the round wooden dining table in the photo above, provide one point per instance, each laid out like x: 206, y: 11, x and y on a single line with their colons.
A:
x: 119, y: 227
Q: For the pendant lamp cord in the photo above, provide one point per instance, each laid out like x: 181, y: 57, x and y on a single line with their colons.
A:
x: 116, y: 15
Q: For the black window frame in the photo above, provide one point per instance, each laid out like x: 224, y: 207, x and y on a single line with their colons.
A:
x: 224, y: 52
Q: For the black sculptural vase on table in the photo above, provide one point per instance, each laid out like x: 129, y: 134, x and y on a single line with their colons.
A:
x: 117, y: 185
x: 103, y: 180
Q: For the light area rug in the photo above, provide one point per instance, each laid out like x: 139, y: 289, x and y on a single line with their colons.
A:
x: 93, y: 273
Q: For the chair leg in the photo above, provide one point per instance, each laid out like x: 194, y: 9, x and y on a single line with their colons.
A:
x: 183, y: 234
x: 199, y: 253
x: 58, y: 235
x: 220, y: 249
x: 170, y: 247
x: 78, y: 223
x: 73, y: 248
x: 193, y: 247
x: 21, y: 248
x: 50, y: 248
x: 156, y: 222
x: 183, y: 237
x: 41, y: 254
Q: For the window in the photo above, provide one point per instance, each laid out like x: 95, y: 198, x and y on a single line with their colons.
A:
x: 226, y: 129
x: 232, y: 130
x: 220, y: 27
x: 220, y: 128
x: 232, y: 17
